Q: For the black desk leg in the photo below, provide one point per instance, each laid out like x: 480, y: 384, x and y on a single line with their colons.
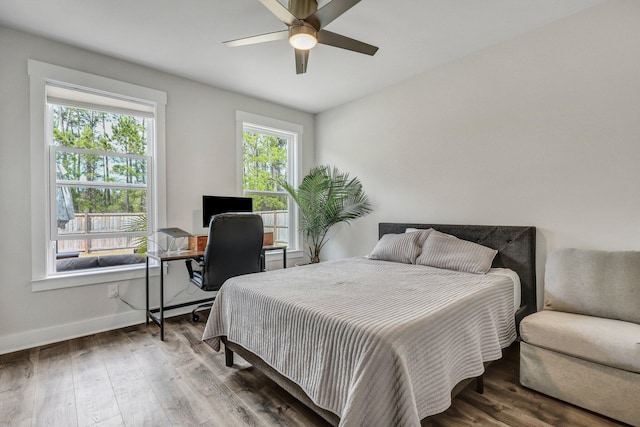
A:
x: 161, y: 300
x: 284, y: 257
x: 147, y: 291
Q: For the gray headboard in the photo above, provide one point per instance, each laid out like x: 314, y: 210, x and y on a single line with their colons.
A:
x: 516, y: 248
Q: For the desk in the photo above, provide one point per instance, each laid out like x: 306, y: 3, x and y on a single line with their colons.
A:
x: 163, y: 257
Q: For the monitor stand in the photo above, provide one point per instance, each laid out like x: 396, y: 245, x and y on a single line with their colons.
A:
x: 173, y: 249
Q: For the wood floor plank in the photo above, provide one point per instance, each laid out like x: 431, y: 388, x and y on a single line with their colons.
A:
x: 289, y: 408
x: 139, y: 405
x: 16, y: 410
x: 227, y: 408
x: 55, y: 408
x: 118, y: 358
x: 276, y: 406
x: 247, y: 389
x: 54, y: 401
x: 183, y: 405
x: 491, y: 403
x: 95, y: 398
x: 183, y: 347
x: 245, y: 386
x: 463, y: 415
x: 17, y: 372
x: 137, y: 402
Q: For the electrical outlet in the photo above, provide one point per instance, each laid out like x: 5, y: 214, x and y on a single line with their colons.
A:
x: 113, y: 290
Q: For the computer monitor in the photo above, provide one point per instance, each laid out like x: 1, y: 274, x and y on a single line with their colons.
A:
x: 213, y: 205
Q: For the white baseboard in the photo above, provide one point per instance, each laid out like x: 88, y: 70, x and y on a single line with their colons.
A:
x: 38, y: 337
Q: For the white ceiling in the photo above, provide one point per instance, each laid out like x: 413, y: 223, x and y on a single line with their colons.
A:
x: 184, y: 37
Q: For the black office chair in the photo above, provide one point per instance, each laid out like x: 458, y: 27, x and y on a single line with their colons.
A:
x: 234, y: 247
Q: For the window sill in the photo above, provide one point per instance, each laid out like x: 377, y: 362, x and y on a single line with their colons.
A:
x: 93, y: 277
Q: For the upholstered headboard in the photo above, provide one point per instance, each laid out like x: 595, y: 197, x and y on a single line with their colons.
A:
x: 516, y: 248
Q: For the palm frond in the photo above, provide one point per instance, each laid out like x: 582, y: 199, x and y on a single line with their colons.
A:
x: 326, y: 197
x: 138, y: 223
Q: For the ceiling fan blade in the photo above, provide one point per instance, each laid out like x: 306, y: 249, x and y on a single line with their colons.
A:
x: 330, y: 11
x: 302, y: 59
x: 337, y: 40
x: 268, y: 37
x: 281, y: 12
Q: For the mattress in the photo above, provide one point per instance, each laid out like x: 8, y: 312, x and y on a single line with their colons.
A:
x: 375, y: 342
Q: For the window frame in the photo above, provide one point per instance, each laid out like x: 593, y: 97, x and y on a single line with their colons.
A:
x: 293, y: 133
x: 42, y: 76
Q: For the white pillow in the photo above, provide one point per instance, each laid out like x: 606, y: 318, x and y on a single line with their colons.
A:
x: 445, y: 251
x: 397, y: 248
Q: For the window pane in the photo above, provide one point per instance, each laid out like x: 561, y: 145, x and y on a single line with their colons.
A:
x: 112, y: 246
x: 263, y: 202
x: 275, y: 215
x: 88, y: 167
x: 268, y: 161
x: 84, y: 210
x: 264, y: 161
x: 95, y: 130
x: 74, y: 255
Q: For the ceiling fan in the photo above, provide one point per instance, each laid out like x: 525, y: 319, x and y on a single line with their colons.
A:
x: 305, y: 23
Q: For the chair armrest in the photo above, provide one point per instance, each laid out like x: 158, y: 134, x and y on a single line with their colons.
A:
x: 189, y: 263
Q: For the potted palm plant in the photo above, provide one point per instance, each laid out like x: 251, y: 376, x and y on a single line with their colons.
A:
x: 326, y: 197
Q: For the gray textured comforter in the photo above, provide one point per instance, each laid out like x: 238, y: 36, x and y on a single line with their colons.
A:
x: 375, y: 342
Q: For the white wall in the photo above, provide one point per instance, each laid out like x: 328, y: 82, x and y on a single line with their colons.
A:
x: 200, y: 135
x: 541, y: 130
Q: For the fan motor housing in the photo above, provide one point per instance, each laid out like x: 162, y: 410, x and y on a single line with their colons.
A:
x: 303, y: 8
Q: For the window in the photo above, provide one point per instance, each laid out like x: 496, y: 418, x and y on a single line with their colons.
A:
x: 99, y: 180
x: 97, y: 140
x: 269, y: 152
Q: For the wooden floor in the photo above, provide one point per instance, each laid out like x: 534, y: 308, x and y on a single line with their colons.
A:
x: 129, y: 377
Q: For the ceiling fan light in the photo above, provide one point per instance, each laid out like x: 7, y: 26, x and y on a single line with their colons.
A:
x: 302, y: 38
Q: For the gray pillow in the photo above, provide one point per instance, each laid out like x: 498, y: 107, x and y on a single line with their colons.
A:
x: 423, y: 232
x: 445, y: 251
x: 397, y: 248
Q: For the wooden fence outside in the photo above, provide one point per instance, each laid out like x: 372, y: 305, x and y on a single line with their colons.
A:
x: 278, y: 223
x: 92, y: 224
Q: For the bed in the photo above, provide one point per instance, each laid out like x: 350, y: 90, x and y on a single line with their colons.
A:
x: 371, y: 342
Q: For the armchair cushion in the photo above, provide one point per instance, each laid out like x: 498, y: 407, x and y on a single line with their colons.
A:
x: 124, y: 259
x: 596, y: 283
x: 80, y: 263
x: 605, y: 341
